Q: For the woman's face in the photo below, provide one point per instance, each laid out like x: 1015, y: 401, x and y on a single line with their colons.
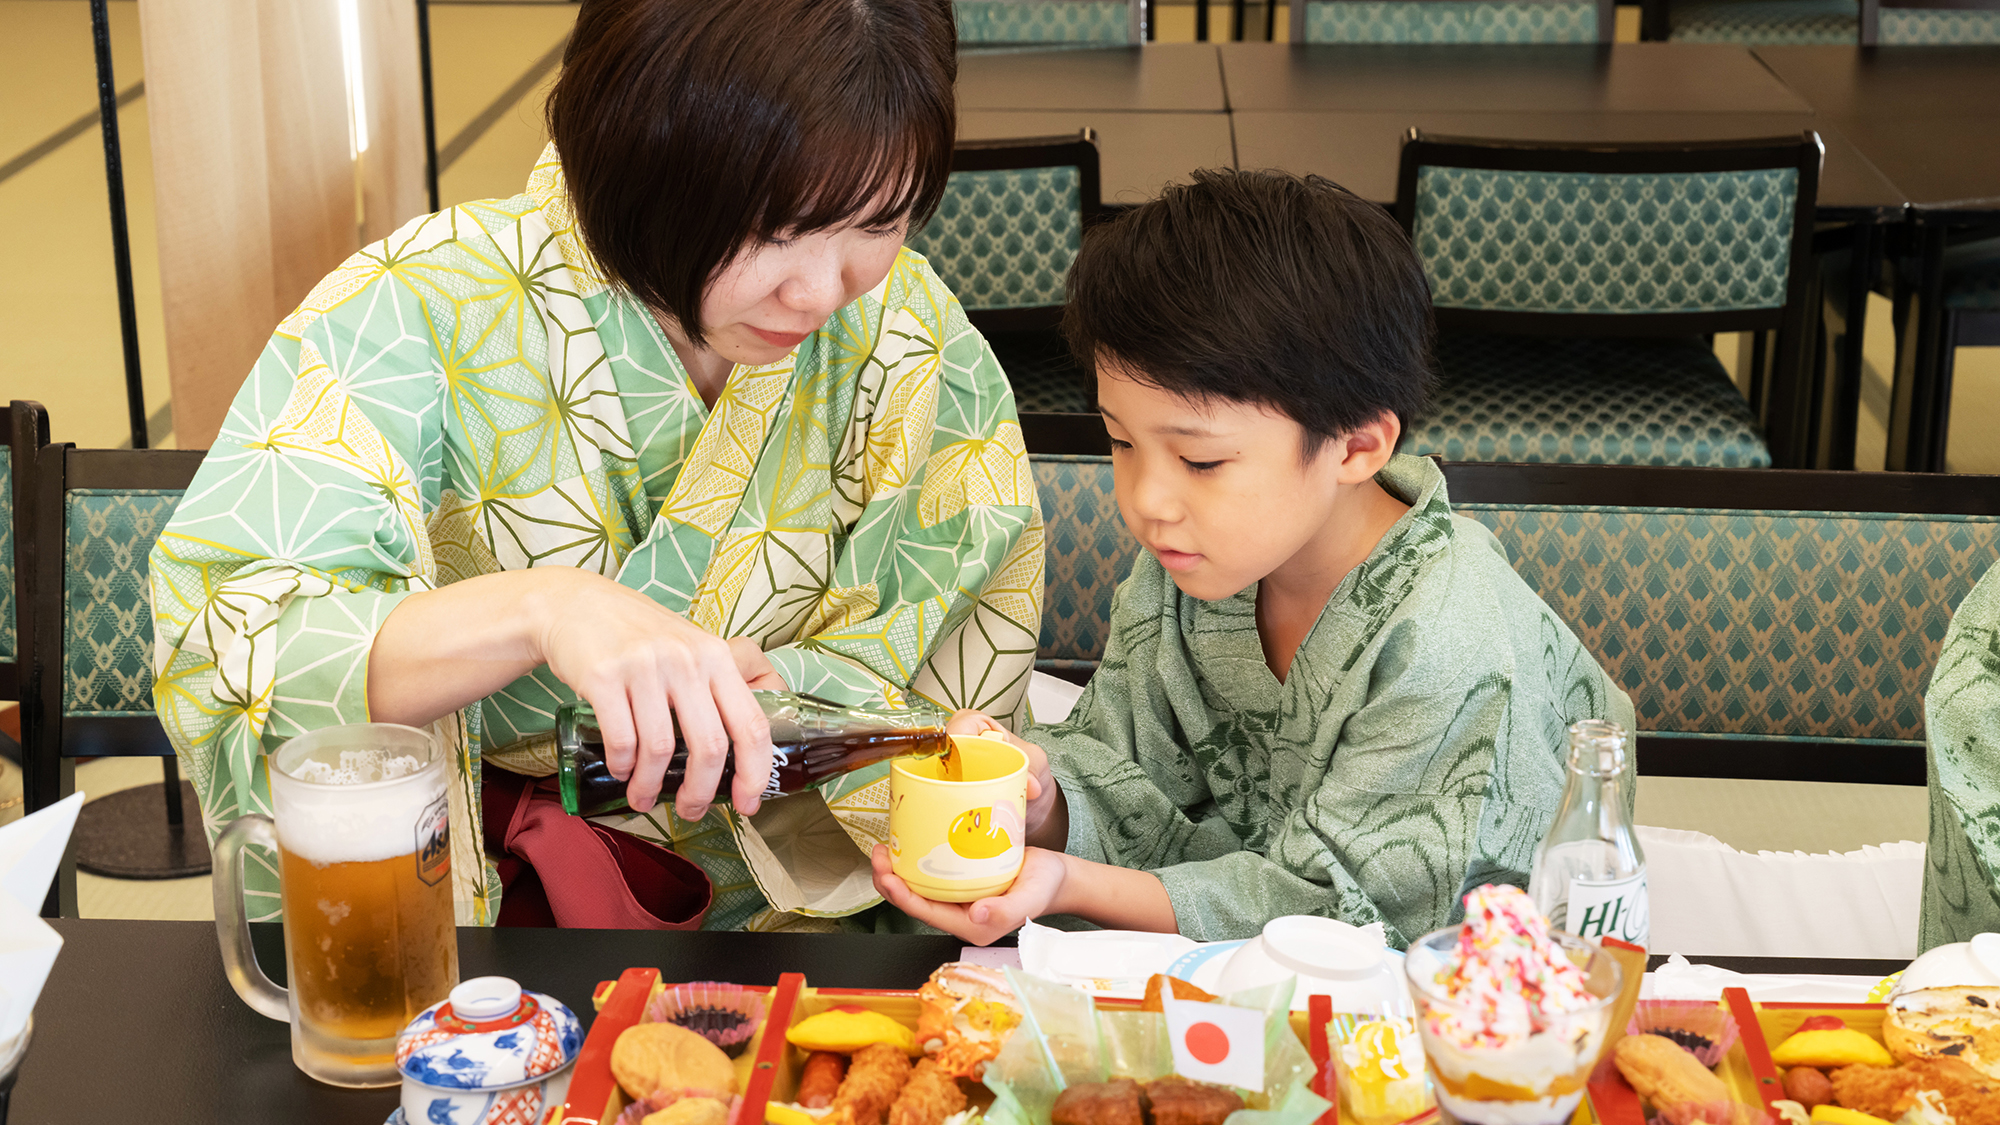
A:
x: 777, y: 292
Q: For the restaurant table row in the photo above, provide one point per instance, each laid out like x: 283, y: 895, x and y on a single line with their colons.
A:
x: 1909, y: 133
x: 138, y: 1023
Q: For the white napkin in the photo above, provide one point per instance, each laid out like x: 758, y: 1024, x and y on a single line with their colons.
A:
x: 30, y: 850
x: 1680, y: 980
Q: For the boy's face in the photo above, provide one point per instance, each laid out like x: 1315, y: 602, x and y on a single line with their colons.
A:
x: 1217, y: 490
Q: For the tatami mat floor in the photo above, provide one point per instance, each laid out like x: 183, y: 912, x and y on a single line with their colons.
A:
x: 493, y: 63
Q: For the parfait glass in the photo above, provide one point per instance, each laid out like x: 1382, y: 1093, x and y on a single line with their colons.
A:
x: 1535, y: 1078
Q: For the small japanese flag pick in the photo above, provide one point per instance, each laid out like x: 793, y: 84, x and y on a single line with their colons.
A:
x: 1216, y: 1042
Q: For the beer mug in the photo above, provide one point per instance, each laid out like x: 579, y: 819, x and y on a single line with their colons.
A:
x: 363, y: 840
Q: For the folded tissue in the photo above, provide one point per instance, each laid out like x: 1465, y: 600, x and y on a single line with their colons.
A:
x: 30, y: 850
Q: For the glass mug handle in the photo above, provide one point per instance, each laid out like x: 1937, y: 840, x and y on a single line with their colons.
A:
x: 232, y: 921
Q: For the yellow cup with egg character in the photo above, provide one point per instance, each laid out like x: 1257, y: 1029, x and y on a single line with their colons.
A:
x: 960, y: 840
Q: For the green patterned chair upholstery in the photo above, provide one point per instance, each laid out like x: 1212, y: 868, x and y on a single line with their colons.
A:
x: 1752, y: 22
x: 1573, y: 288
x: 1089, y: 553
x: 1041, y: 24
x: 1452, y: 21
x: 86, y: 620
x: 1004, y: 235
x: 1755, y: 637
x: 1929, y: 23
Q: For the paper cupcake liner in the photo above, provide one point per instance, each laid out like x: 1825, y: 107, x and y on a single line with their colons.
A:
x: 726, y: 1015
x: 1705, y: 1030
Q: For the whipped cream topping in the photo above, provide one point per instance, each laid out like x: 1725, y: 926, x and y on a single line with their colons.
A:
x: 1508, y: 979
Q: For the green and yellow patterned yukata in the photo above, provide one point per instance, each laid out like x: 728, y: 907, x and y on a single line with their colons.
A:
x: 1415, y: 750
x: 1962, y: 727
x: 470, y: 395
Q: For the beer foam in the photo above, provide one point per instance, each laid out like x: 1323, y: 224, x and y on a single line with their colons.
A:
x: 342, y: 818
x: 358, y: 767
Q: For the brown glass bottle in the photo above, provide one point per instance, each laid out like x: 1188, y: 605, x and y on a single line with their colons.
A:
x: 815, y: 739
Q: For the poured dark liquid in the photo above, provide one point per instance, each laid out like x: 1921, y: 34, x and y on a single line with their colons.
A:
x: 796, y: 767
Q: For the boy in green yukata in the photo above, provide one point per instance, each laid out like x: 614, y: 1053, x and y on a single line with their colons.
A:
x: 1323, y: 693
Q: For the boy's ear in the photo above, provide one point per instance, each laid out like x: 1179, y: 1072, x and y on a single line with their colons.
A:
x: 1366, y: 448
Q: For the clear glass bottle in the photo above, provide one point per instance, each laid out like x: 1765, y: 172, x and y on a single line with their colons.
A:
x: 815, y: 739
x: 1589, y: 873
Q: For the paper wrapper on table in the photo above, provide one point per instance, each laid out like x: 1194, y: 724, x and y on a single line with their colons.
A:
x: 1064, y: 1039
x: 30, y: 851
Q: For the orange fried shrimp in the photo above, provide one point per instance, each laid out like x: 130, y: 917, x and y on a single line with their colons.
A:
x: 873, y: 1080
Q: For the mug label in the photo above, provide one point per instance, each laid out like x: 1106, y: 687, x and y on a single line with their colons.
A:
x: 434, y: 841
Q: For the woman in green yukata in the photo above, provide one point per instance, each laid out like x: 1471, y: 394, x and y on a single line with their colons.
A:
x: 681, y: 421
x: 1323, y: 693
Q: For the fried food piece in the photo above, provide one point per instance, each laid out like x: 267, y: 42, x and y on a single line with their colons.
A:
x: 690, y: 1111
x: 1880, y: 1091
x: 1961, y: 1023
x: 967, y: 1011
x: 1969, y: 1095
x: 652, y: 1057
x: 928, y: 1097
x: 870, y: 1088
x: 1160, y: 984
x: 1117, y: 1102
x: 1177, y: 1101
x: 819, y: 1081
x: 1666, y: 1075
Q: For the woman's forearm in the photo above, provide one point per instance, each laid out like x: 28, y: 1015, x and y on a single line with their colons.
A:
x: 444, y: 649
x: 1117, y: 898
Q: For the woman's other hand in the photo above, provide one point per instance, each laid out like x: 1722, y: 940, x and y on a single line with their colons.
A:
x: 642, y: 666
x: 1048, y: 816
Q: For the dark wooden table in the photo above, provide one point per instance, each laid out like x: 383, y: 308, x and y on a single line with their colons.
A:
x: 1928, y: 120
x: 138, y: 1024
x: 1625, y: 78
x: 1182, y: 77
x: 1138, y: 152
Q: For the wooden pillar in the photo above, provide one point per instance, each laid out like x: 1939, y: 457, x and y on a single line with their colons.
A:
x: 257, y: 190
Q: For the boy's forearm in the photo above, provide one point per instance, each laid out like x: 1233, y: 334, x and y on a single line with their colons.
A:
x: 1116, y: 898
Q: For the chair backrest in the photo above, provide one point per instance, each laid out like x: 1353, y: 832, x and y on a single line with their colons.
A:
x: 1612, y: 239
x: 1767, y: 623
x: 1453, y: 21
x: 1089, y: 549
x: 10, y: 677
x: 1010, y: 225
x: 90, y: 517
x: 1929, y: 23
x: 1046, y: 23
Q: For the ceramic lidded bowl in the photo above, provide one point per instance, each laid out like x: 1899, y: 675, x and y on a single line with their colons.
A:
x: 1348, y: 963
x: 489, y: 1053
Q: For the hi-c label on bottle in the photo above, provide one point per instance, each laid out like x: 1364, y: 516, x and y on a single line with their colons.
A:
x: 1607, y: 908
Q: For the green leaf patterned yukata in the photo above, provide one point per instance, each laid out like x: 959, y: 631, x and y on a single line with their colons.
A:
x: 470, y: 396
x: 1962, y: 726
x: 1415, y: 750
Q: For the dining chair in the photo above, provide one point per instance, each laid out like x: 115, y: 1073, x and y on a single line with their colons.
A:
x: 1089, y: 549
x: 1945, y: 290
x: 1051, y: 23
x: 1751, y: 23
x: 10, y: 672
x: 1775, y: 624
x: 1930, y: 23
x: 1575, y: 287
x: 88, y: 519
x: 1453, y: 21
x: 1003, y: 239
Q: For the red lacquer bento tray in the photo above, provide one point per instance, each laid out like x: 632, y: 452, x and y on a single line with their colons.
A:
x: 768, y: 1070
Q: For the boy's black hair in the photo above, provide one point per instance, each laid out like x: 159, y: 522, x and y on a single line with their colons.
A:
x: 1263, y: 288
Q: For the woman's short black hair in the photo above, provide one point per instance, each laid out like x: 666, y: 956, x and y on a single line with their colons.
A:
x: 688, y: 129
x: 1263, y: 288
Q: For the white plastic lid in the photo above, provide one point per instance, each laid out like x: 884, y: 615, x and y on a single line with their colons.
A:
x: 1323, y: 947
x: 485, y: 998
